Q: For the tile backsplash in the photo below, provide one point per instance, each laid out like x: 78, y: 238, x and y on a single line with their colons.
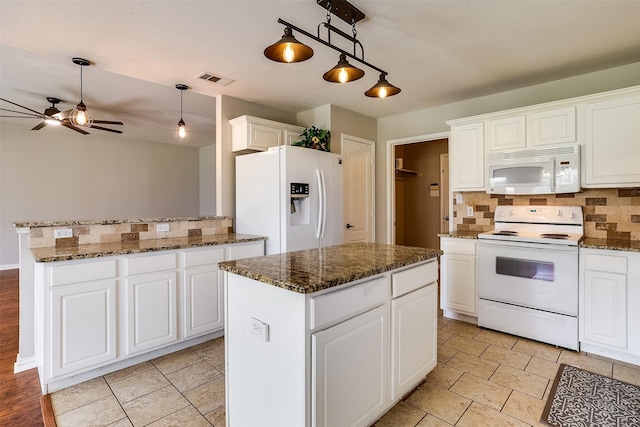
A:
x: 609, y: 213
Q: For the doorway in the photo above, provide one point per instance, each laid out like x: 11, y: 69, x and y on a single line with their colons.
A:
x: 419, y: 196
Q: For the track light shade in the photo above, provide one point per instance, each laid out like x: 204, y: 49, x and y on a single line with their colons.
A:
x: 343, y: 72
x: 382, y: 89
x: 288, y: 49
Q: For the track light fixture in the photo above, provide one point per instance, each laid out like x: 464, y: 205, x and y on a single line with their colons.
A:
x: 181, y: 132
x: 290, y: 50
x: 80, y: 116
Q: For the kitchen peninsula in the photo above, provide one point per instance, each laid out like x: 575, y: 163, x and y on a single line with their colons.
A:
x: 102, y: 295
x: 329, y: 336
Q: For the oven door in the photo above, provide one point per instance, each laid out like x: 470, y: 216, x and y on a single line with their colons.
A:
x: 540, y: 276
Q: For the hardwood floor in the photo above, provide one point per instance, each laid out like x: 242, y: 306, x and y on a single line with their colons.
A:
x: 19, y: 393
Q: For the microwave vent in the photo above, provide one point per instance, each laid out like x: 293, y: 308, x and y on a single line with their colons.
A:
x: 520, y: 154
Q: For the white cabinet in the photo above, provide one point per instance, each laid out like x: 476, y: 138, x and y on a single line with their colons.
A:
x: 83, y: 325
x: 348, y: 360
x: 553, y: 126
x: 609, y: 298
x: 467, y: 157
x: 507, y: 133
x: 256, y: 134
x: 458, y: 269
x: 414, y: 338
x: 612, y: 151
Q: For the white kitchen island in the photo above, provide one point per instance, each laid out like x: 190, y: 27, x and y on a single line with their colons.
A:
x: 328, y: 337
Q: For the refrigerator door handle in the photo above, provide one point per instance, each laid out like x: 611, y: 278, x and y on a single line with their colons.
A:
x: 324, y: 204
x: 320, y: 204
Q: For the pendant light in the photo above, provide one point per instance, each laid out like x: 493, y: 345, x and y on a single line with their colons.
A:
x: 382, y: 89
x: 181, y: 132
x: 288, y: 49
x: 80, y: 116
x: 343, y: 72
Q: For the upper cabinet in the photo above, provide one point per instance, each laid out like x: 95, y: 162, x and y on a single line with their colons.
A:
x: 466, y: 161
x: 532, y: 128
x: 606, y: 126
x: 256, y: 134
x: 612, y: 142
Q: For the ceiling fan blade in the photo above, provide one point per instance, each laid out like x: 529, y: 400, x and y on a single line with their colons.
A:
x: 22, y: 106
x: 39, y: 125
x: 107, y: 122
x: 29, y: 115
x: 63, y: 115
x: 70, y: 126
x: 107, y: 129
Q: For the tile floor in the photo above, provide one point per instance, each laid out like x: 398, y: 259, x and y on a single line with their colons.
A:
x: 483, y: 378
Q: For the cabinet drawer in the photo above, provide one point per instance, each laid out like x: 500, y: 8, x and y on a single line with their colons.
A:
x: 203, y: 257
x: 150, y: 264
x: 411, y: 279
x: 459, y: 246
x: 342, y: 304
x: 86, y: 272
x: 245, y: 251
x: 610, y: 263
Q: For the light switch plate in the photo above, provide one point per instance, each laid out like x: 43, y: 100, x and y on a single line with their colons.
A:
x: 162, y: 227
x: 62, y: 233
x: 469, y: 210
x: 260, y: 329
x: 458, y: 198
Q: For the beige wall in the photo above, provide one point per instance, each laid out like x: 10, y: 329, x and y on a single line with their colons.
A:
x: 432, y: 120
x: 58, y: 174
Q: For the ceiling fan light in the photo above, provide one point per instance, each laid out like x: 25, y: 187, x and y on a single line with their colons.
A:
x: 343, y: 72
x: 288, y: 49
x: 52, y: 121
x: 382, y: 89
x: 80, y: 116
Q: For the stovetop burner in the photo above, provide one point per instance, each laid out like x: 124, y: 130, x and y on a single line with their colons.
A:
x: 505, y: 233
x: 557, y: 236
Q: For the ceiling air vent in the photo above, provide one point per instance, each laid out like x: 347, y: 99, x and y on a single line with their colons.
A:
x: 219, y: 80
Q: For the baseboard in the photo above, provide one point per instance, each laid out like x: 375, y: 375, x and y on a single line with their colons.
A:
x: 25, y: 364
x: 9, y: 266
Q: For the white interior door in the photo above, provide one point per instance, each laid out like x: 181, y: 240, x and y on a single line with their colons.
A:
x: 359, y: 163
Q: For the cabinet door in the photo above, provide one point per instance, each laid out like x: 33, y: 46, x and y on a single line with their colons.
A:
x: 508, y: 133
x: 202, y: 300
x: 350, y: 371
x: 554, y: 126
x: 262, y: 137
x: 151, y: 311
x: 413, y: 337
x: 612, y: 150
x: 605, y: 308
x: 467, y: 157
x: 83, y: 322
x: 291, y: 136
x: 459, y: 283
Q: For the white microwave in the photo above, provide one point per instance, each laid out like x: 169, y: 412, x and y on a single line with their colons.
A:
x: 540, y: 171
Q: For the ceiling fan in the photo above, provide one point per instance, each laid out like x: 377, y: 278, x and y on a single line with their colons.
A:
x: 54, y: 117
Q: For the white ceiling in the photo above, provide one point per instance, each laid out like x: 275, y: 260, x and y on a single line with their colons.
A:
x: 436, y: 51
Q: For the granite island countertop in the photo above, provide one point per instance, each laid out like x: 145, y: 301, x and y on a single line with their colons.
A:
x: 96, y: 250
x: 313, y: 270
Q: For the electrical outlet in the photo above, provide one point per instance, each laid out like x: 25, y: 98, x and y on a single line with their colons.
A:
x: 260, y: 329
x: 459, y: 198
x: 162, y: 227
x: 64, y: 232
x: 469, y: 210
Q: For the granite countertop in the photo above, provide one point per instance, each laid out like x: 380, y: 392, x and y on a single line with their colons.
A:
x: 317, y: 269
x: 461, y: 234
x: 51, y: 254
x: 612, y: 245
x: 65, y: 223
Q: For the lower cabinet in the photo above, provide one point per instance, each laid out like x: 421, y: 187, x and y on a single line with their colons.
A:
x: 83, y: 325
x: 458, y: 270
x: 351, y: 359
x: 91, y: 313
x: 609, y: 297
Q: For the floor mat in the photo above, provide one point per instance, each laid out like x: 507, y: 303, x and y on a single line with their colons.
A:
x: 581, y: 398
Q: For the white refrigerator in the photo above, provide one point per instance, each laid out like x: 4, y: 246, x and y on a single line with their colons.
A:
x: 292, y: 195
